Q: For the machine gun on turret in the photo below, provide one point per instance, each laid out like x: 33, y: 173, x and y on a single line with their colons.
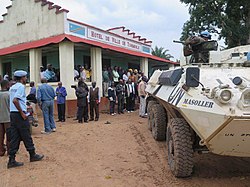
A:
x: 198, y: 48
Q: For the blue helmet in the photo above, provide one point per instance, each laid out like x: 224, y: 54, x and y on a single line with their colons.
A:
x: 205, y: 34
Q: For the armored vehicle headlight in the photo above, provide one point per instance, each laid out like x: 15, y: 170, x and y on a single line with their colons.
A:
x: 244, y: 101
x: 224, y: 95
x: 240, y: 82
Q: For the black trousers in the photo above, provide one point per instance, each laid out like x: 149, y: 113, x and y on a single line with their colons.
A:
x: 78, y: 112
x: 61, y: 111
x: 94, y: 107
x: 112, y: 107
x: 19, y: 131
x: 82, y: 113
x: 120, y: 103
x: 130, y: 103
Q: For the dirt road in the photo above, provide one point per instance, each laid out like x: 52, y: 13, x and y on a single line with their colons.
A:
x: 122, y: 153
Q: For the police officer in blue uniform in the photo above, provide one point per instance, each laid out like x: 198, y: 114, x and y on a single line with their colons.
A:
x: 20, y: 130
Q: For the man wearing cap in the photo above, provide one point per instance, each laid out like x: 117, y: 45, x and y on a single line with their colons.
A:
x: 20, y: 128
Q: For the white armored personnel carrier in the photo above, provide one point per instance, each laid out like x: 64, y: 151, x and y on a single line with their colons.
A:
x: 202, y: 108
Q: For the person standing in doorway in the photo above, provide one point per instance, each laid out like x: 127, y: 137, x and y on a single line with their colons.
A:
x: 94, y: 101
x: 82, y: 74
x: 61, y: 94
x: 19, y: 128
x: 4, y: 116
x: 87, y: 73
x: 115, y: 75
x: 106, y: 80
x: 125, y: 77
x: 45, y: 98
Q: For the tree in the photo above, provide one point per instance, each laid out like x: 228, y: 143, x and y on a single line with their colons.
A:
x: 229, y: 18
x: 162, y: 53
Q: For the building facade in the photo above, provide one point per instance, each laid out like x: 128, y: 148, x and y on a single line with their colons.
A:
x: 35, y: 33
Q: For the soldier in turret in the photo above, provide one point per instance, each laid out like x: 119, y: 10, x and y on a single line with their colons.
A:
x: 193, y: 46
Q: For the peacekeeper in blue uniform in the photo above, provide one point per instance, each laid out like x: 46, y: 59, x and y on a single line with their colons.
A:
x: 20, y: 128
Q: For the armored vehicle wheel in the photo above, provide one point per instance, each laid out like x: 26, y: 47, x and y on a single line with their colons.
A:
x: 179, y: 145
x: 149, y: 111
x: 158, y: 116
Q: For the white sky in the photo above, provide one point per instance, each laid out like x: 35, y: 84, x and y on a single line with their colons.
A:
x: 158, y: 20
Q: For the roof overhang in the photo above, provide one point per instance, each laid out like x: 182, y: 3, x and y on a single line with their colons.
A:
x: 75, y: 39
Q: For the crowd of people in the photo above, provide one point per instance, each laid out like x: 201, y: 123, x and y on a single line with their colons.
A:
x: 50, y: 74
x: 83, y: 73
x: 124, y: 87
x: 14, y: 122
x: 14, y: 116
x: 121, y: 87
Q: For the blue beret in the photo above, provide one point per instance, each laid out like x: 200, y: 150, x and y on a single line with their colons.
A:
x: 20, y: 73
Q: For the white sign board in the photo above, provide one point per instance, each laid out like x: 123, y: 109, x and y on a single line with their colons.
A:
x: 105, y: 37
x: 112, y: 39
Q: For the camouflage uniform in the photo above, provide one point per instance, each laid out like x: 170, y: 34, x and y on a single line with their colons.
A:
x: 193, y: 46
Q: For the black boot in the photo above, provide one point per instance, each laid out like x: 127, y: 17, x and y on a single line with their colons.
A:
x: 35, y: 157
x: 13, y: 163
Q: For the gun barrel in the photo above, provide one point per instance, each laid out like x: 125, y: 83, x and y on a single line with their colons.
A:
x: 181, y: 42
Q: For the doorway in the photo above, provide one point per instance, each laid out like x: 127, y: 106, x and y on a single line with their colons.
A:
x: 7, y: 69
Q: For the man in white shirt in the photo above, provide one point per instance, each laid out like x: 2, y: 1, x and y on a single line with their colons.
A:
x: 41, y: 72
x: 116, y: 75
x: 142, y: 94
x: 6, y: 77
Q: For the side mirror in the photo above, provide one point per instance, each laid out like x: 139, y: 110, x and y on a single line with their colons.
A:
x: 192, y: 77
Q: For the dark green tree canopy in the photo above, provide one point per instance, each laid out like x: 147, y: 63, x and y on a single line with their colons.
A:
x: 161, y: 52
x: 229, y: 18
